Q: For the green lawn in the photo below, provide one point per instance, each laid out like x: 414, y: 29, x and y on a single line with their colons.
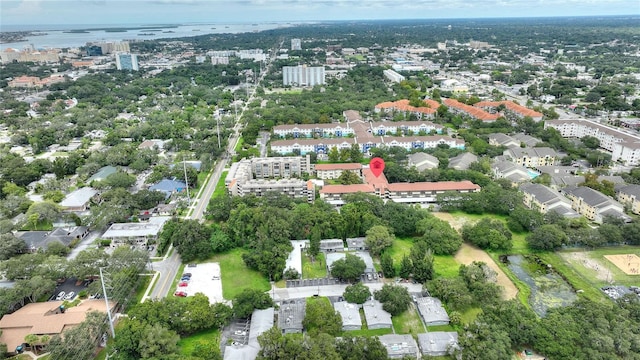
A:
x: 368, y: 333
x: 445, y: 265
x: 313, y: 270
x: 470, y: 315
x: 188, y: 344
x: 441, y: 328
x: 142, y: 288
x: 220, y: 187
x: 408, y: 322
x: 573, y: 277
x: 618, y: 275
x: 239, y: 145
x: 236, y: 276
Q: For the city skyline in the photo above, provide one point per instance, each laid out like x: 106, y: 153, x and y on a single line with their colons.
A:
x: 107, y: 12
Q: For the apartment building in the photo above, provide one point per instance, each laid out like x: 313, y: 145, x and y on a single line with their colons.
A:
x: 393, y: 76
x: 422, y: 112
x: 471, y: 111
x: 532, y: 157
x: 296, y: 44
x: 624, y: 145
x: 334, y: 171
x: 543, y: 199
x: 303, y: 75
x: 313, y: 130
x: 126, y: 61
x: 593, y: 204
x: 629, y: 195
x: 510, y: 109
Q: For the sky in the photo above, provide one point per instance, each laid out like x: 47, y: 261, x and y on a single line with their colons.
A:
x: 41, y: 12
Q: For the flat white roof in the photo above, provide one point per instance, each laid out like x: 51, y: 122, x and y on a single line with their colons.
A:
x: 78, y: 197
x: 150, y: 228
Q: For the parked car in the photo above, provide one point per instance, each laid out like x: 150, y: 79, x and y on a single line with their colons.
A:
x: 70, y: 295
x: 180, y: 293
x: 187, y: 274
x: 185, y: 278
x: 60, y: 295
x: 183, y: 284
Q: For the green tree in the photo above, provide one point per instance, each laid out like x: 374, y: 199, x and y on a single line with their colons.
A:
x: 488, y: 234
x: 378, y: 239
x: 395, y: 299
x: 248, y: 300
x: 11, y: 246
x: 439, y: 235
x: 422, y: 260
x: 547, y: 237
x: 349, y: 177
x: 356, y: 293
x: 406, y: 267
x: 192, y: 240
x: 334, y: 155
x: 388, y: 268
x: 361, y: 348
x: 158, y: 342
x: 320, y: 317
x: 350, y: 268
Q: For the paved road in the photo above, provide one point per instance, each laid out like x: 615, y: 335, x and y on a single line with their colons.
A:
x: 168, y: 268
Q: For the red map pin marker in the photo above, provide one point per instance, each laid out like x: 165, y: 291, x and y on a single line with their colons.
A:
x: 377, y: 166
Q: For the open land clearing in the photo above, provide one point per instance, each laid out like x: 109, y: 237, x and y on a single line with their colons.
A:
x: 468, y: 254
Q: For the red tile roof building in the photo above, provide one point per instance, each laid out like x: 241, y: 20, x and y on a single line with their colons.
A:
x: 403, y: 106
x: 474, y: 112
x: 511, y: 107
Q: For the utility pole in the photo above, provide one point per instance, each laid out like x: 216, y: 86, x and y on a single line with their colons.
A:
x: 106, y: 301
x: 186, y: 181
x: 217, y: 115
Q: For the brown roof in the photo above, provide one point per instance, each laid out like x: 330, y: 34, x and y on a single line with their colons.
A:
x: 346, y: 189
x: 348, y: 166
x: 44, y: 318
x: 434, y: 186
x: 474, y: 112
x: 377, y: 182
x: 403, y: 105
x: 524, y: 111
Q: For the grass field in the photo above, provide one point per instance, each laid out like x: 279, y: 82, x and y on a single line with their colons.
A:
x: 408, y: 322
x: 470, y: 315
x: 220, y: 187
x: 188, y: 344
x: 236, y: 276
x: 367, y: 332
x: 313, y: 270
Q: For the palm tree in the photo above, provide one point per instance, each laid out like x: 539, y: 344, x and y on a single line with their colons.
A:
x: 31, y: 340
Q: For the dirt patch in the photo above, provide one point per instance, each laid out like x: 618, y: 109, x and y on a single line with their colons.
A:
x: 600, y: 271
x: 468, y: 254
x: 628, y: 263
x: 456, y: 223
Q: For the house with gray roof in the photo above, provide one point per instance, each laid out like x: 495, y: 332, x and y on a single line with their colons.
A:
x: 78, y: 200
x: 500, y: 139
x: 168, y: 187
x: 432, y: 311
x: 593, y: 204
x: 462, y: 161
x: 350, y: 315
x: 331, y: 245
x: 291, y: 314
x: 357, y: 243
x: 543, y: 199
x: 375, y: 316
x: 438, y: 343
x: 261, y: 321
x: 629, y: 195
x: 511, y: 171
x: 525, y: 139
x: 137, y: 233
x: 423, y: 161
x: 399, y: 346
x: 102, y: 174
x: 559, y: 181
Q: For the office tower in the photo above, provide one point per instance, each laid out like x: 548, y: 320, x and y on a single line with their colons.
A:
x: 296, y: 44
x: 126, y: 61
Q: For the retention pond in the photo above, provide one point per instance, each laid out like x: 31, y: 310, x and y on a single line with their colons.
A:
x: 548, y: 288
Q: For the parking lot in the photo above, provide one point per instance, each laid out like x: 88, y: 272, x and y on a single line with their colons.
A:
x: 68, y: 286
x: 205, y: 278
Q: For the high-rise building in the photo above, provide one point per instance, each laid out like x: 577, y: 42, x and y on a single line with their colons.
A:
x: 126, y: 61
x: 94, y: 50
x: 296, y: 44
x: 303, y: 75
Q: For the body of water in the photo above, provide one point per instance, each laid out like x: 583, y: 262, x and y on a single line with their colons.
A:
x: 548, y: 289
x: 61, y: 37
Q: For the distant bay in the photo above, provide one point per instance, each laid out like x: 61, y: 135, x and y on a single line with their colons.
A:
x: 78, y: 35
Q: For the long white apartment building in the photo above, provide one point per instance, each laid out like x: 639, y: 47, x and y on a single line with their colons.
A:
x: 344, y: 129
x: 303, y: 75
x: 623, y: 145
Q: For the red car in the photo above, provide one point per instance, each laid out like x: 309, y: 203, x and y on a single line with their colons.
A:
x: 183, y: 284
x: 180, y: 293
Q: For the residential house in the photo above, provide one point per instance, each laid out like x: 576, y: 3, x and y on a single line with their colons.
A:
x: 593, y: 204
x: 423, y: 161
x: 438, y: 343
x: 432, y: 311
x: 629, y: 195
x: 399, y: 346
x: 462, y: 161
x: 78, y: 200
x: 511, y: 171
x: 357, y: 244
x: 290, y: 315
x: 169, y: 187
x: 102, y: 174
x: 376, y: 316
x: 350, y: 315
x: 331, y: 245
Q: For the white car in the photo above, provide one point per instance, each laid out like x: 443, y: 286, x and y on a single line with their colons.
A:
x: 70, y: 296
x: 60, y: 296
